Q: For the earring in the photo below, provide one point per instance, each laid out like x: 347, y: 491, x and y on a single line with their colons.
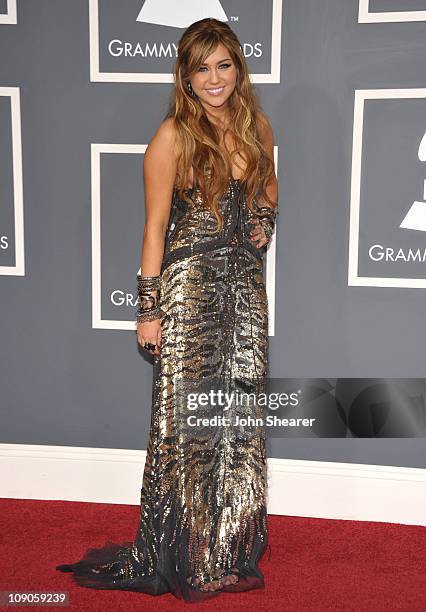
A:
x: 191, y: 91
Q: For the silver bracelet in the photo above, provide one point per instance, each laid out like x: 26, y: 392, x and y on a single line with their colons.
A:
x: 148, y: 309
x: 149, y: 315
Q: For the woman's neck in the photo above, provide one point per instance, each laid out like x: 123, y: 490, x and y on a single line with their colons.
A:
x: 220, y: 119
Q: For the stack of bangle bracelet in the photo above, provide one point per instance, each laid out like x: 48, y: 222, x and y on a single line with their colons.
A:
x: 149, y: 308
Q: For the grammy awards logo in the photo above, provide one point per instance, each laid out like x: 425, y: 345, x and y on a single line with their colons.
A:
x: 179, y: 14
x: 416, y: 217
x: 138, y: 44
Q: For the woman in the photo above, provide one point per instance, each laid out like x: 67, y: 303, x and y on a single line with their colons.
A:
x: 211, y: 204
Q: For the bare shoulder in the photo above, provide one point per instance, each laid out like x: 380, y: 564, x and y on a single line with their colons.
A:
x: 167, y: 128
x: 160, y: 163
x: 162, y: 153
x: 165, y: 138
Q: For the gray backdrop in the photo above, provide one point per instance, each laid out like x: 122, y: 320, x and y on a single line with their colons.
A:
x: 65, y: 380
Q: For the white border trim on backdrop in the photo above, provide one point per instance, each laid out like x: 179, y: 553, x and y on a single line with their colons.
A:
x: 97, y: 321
x: 18, y: 199
x: 162, y: 77
x: 318, y: 489
x: 10, y: 16
x: 96, y: 149
x: 365, y: 16
x: 354, y: 279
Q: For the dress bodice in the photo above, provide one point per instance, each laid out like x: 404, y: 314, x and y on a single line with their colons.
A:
x: 191, y: 226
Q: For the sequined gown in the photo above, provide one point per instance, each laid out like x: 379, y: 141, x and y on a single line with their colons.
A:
x: 203, y: 498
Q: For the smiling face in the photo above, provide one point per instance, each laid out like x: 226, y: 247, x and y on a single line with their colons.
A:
x: 215, y: 79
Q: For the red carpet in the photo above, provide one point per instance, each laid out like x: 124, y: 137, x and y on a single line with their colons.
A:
x: 316, y: 564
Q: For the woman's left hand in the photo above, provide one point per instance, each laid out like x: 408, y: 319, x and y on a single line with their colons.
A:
x: 258, y: 235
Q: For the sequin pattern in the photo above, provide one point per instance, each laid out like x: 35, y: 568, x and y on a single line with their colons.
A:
x: 203, y: 498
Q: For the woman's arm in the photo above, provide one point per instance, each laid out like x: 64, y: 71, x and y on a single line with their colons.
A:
x: 265, y: 224
x: 159, y: 170
x: 266, y: 136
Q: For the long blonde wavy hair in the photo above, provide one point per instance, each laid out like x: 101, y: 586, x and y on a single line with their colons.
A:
x: 199, y: 138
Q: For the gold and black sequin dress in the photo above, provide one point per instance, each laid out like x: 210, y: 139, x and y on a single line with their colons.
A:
x: 203, y: 498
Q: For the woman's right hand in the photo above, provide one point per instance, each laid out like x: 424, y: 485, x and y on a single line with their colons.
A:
x: 150, y: 331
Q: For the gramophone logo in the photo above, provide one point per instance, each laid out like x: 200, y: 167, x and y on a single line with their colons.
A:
x: 179, y: 14
x: 415, y: 219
